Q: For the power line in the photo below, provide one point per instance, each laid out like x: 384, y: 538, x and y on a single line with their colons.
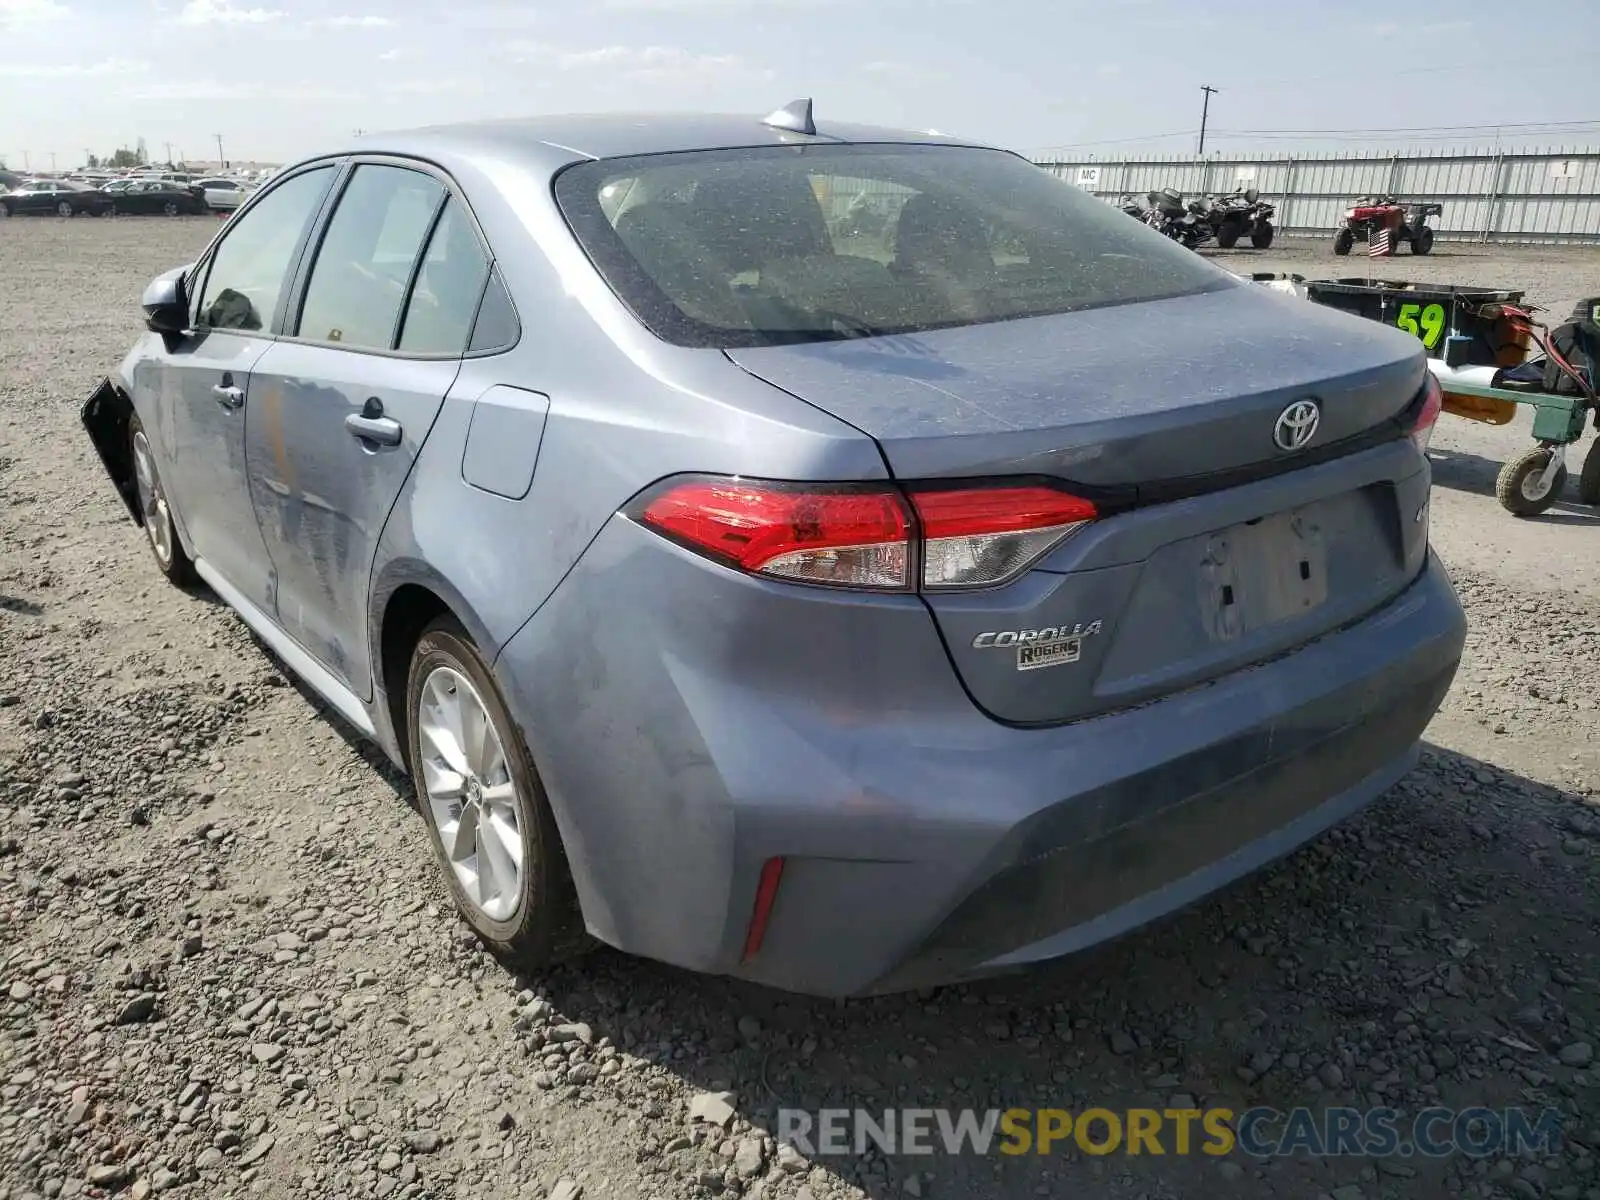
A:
x: 1346, y: 76
x: 1367, y: 131
x: 1414, y: 133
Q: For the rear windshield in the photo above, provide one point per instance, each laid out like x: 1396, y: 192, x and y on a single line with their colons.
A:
x: 776, y: 244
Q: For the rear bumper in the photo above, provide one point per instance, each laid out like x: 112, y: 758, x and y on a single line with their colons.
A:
x: 923, y: 842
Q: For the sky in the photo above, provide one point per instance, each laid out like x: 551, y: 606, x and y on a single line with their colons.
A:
x: 281, y: 78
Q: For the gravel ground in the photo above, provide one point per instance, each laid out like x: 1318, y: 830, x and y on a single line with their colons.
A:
x: 227, y: 967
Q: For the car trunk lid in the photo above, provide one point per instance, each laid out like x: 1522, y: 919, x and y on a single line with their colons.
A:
x: 1121, y: 396
x: 1217, y: 548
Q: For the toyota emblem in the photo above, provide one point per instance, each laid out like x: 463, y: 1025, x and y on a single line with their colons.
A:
x: 1297, y: 424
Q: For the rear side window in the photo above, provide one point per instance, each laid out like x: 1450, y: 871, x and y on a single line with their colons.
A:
x: 497, y: 327
x: 364, y: 264
x: 449, y: 285
x: 251, y: 265
x: 759, y: 245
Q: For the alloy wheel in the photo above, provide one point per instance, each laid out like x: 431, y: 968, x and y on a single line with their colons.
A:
x: 471, y: 796
x: 152, y: 500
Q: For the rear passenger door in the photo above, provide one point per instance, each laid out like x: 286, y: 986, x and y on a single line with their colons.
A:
x: 346, y: 398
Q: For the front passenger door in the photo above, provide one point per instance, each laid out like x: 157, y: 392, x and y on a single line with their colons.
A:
x: 202, y: 382
x: 346, y: 404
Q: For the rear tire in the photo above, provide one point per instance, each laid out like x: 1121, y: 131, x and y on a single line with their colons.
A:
x: 170, y: 208
x: 1228, y: 234
x: 161, y: 532
x: 1343, y: 240
x: 1422, y: 241
x: 5, y: 212
x: 1589, y: 480
x: 1261, y: 235
x: 1517, y: 487
x: 64, y: 209
x: 510, y: 882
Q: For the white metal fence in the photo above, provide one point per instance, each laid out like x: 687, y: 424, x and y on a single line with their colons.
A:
x: 1488, y: 195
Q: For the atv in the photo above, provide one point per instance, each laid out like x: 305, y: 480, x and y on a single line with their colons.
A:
x: 1373, y: 217
x: 1241, y: 214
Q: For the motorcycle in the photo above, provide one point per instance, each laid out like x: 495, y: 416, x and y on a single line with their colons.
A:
x: 1132, y: 207
x: 1240, y: 214
x: 1184, y: 223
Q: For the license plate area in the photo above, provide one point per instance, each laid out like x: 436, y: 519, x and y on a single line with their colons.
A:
x: 1262, y: 572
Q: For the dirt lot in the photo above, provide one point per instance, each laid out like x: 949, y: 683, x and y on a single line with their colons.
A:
x: 227, y: 967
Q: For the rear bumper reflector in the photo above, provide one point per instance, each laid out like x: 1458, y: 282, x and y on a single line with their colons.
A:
x: 766, y: 896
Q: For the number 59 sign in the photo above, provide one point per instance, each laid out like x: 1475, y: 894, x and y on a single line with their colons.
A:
x: 1425, y: 321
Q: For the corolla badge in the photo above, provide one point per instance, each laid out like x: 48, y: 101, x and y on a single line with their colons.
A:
x: 1048, y: 647
x: 1297, y: 424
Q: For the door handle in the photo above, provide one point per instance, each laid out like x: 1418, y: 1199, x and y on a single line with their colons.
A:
x: 227, y: 395
x: 370, y: 425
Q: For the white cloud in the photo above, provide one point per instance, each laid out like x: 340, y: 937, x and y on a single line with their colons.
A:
x: 1413, y: 29
x: 216, y: 89
x: 902, y: 73
x: 222, y: 12
x: 435, y: 87
x: 391, y: 55
x: 706, y: 5
x: 348, y: 22
x: 26, y: 12
x: 108, y: 66
x: 659, y: 63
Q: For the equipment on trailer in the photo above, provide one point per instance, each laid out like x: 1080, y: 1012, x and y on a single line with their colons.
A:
x: 1386, y: 222
x: 1478, y: 341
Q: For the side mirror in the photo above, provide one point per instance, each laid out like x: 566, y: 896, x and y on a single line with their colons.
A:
x: 1251, y: 195
x: 166, y: 304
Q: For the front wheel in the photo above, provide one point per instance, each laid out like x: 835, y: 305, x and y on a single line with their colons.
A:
x: 1422, y: 241
x: 64, y: 209
x: 5, y: 211
x: 155, y: 511
x: 1228, y: 234
x: 170, y: 208
x: 1522, y: 488
x: 486, y: 811
x: 1261, y: 235
x: 1343, y: 240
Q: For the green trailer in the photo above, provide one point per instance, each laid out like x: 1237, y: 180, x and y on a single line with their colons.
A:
x: 1478, y: 341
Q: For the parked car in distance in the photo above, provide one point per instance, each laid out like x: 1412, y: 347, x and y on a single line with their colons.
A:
x: 131, y: 197
x: 843, y: 623
x: 38, y: 197
x: 223, y: 193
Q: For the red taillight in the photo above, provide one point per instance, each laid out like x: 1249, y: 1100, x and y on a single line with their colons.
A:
x: 1432, y: 406
x: 865, y: 536
x: 766, y: 896
x: 973, y: 537
x: 855, y: 538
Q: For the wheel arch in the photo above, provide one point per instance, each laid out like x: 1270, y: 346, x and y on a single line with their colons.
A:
x: 407, y: 598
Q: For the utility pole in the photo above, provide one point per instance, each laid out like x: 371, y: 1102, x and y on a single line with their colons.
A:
x: 222, y: 160
x: 169, y: 154
x: 26, y: 165
x: 52, y: 162
x: 1205, y: 108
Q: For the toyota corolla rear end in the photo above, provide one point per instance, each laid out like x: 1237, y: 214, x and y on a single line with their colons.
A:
x: 1141, y: 599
